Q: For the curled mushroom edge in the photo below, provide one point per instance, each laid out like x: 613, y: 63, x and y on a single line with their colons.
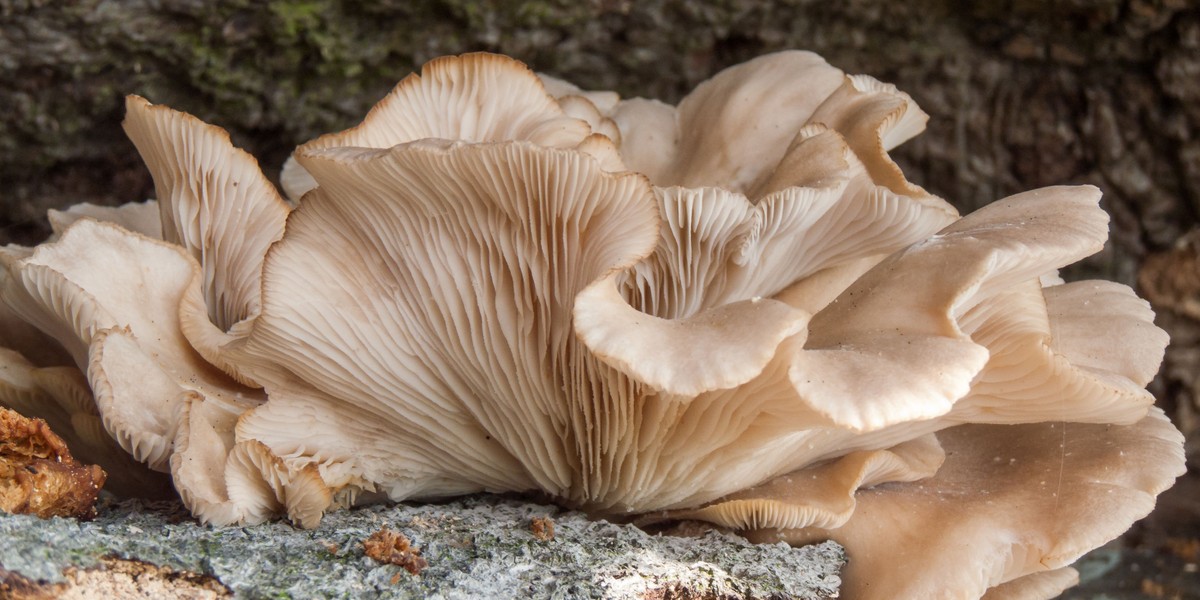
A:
x: 736, y: 310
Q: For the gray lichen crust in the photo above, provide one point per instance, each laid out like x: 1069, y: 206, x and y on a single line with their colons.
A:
x: 476, y: 548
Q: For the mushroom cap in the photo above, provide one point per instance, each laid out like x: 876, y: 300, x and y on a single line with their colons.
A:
x: 828, y: 490
x: 735, y: 130
x: 218, y: 206
x: 895, y: 334
x: 1080, y: 352
x: 1020, y: 372
x: 114, y: 295
x: 455, y: 267
x: 707, y: 141
x: 475, y: 97
x: 1010, y: 500
x: 119, y: 294
x: 224, y: 481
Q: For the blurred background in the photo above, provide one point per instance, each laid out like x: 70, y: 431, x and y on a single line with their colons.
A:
x: 1021, y: 94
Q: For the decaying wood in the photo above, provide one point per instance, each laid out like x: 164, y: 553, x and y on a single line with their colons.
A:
x: 39, y: 476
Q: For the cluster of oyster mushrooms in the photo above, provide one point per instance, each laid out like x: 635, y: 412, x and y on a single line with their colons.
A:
x: 735, y: 310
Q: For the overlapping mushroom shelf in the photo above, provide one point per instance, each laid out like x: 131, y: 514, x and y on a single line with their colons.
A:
x: 736, y: 310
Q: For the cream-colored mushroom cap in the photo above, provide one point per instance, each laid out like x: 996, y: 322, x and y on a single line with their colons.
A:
x: 474, y: 97
x: 431, y: 352
x: 1010, y: 501
x: 217, y: 205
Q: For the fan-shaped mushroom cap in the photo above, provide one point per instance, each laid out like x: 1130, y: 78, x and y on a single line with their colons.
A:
x: 1035, y: 362
x: 1009, y: 501
x: 475, y: 97
x: 214, y: 202
x: 894, y: 335
x: 592, y: 106
x: 114, y: 295
x: 736, y: 130
x: 731, y: 129
x: 717, y: 248
x: 874, y: 118
x: 1080, y: 352
x: 439, y: 281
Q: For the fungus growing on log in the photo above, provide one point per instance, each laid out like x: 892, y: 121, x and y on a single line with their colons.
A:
x: 735, y: 310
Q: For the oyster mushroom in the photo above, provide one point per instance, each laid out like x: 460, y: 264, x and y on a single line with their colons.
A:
x: 138, y: 315
x: 473, y: 98
x: 762, y: 324
x: 997, y: 513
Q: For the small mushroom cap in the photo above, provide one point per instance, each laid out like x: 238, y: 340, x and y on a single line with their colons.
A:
x: 113, y: 296
x: 1010, y: 500
x: 1082, y: 352
x: 161, y: 401
x: 735, y: 131
x: 225, y: 482
x: 894, y: 335
x: 214, y: 202
x: 705, y: 142
x: 476, y: 97
x: 603, y: 101
x: 874, y: 118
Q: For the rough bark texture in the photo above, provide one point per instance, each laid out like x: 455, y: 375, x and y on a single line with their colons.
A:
x: 1022, y: 93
